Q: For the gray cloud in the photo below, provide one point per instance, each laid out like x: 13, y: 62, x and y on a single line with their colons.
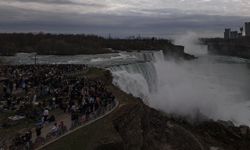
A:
x: 61, y: 2
x: 48, y: 1
x: 145, y: 21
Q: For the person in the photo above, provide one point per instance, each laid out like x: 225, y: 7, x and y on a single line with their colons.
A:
x: 38, y: 130
x: 45, y: 115
x: 62, y: 128
x: 73, y: 118
x: 52, y: 118
x: 34, y: 99
x: 54, y: 130
x: 73, y: 108
x: 28, y: 137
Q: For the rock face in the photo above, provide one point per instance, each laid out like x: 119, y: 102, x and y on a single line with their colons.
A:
x: 143, y: 128
x: 177, y: 51
x: 233, y: 47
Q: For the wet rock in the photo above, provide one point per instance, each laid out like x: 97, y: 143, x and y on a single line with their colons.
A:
x: 143, y: 128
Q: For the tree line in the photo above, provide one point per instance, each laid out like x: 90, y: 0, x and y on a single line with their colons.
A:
x: 73, y: 44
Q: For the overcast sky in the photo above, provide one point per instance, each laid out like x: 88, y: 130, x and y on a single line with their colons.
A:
x: 123, y: 17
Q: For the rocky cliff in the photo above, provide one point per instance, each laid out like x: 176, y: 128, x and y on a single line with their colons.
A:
x: 177, y: 51
x: 233, y: 47
x: 143, y: 128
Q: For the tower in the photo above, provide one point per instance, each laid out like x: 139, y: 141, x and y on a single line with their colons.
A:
x: 247, y: 28
x: 241, y: 30
x: 227, y: 33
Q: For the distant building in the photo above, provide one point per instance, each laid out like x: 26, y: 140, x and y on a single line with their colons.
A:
x: 247, y: 28
x: 241, y: 30
x: 234, y: 34
x: 227, y: 33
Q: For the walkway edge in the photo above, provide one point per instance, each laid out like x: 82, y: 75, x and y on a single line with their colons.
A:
x: 84, y: 125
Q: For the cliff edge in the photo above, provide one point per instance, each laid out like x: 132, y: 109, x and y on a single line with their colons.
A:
x: 230, y: 47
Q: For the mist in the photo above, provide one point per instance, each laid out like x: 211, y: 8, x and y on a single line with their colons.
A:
x: 208, y: 86
x: 214, y: 87
x: 199, y: 88
x: 190, y: 40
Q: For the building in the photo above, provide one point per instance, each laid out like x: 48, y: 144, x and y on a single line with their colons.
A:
x: 234, y: 34
x: 227, y: 33
x: 247, y: 28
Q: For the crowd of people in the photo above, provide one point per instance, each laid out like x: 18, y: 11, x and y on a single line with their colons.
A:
x: 21, y: 140
x: 24, y: 84
x: 34, y: 91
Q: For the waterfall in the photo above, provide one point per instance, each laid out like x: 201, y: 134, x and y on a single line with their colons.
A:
x: 138, y: 79
x: 153, y: 56
x: 206, y: 87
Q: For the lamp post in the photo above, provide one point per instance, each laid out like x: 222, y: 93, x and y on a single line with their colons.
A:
x: 35, y: 58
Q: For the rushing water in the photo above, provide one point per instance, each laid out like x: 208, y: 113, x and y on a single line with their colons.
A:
x: 215, y: 86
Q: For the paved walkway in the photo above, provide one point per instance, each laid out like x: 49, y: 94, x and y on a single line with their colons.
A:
x: 47, y: 127
x: 67, y: 121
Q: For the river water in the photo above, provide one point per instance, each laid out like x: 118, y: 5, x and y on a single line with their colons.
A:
x: 217, y: 87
